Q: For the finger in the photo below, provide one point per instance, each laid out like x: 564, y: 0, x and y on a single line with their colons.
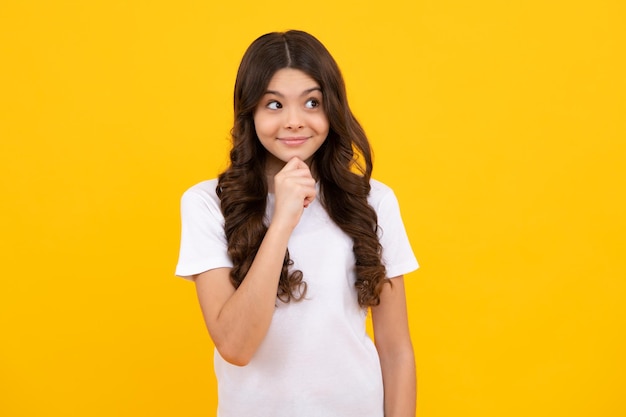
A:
x: 293, y: 163
x: 299, y: 162
x: 293, y: 172
x: 310, y: 196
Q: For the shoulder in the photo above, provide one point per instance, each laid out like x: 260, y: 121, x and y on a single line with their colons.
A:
x: 202, y: 195
x: 379, y: 192
x: 204, y: 189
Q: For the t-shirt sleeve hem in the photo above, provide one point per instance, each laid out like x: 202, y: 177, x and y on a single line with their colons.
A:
x: 188, y: 271
x: 402, y: 269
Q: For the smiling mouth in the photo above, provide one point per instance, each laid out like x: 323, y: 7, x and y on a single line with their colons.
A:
x: 296, y: 140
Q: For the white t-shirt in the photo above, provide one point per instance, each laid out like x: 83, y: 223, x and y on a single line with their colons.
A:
x: 316, y: 359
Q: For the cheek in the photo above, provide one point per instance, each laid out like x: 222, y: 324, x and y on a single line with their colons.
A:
x: 261, y: 126
x: 322, y: 125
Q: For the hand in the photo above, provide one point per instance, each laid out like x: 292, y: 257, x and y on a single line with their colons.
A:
x: 294, y: 188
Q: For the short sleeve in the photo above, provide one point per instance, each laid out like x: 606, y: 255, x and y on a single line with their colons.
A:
x: 203, y: 243
x: 397, y: 255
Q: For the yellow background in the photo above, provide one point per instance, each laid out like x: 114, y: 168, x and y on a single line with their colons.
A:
x: 500, y: 124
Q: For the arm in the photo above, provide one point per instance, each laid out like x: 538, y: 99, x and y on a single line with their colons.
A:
x: 238, y: 320
x: 393, y: 342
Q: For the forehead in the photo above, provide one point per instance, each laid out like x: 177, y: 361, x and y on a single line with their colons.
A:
x: 290, y: 79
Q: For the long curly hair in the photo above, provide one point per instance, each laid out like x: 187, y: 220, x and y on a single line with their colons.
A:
x: 343, y: 165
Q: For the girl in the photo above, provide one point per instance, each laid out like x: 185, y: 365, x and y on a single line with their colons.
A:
x: 292, y: 244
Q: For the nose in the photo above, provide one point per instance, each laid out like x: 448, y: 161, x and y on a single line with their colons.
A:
x: 293, y: 118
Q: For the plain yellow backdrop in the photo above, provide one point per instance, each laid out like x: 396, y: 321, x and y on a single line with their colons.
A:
x: 500, y: 125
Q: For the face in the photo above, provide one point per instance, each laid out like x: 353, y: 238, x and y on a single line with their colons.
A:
x: 290, y: 120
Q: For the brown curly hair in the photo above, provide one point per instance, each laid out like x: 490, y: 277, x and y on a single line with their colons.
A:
x: 343, y: 165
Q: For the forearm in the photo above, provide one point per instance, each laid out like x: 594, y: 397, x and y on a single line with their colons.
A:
x: 244, y: 319
x: 399, y: 383
x: 238, y: 320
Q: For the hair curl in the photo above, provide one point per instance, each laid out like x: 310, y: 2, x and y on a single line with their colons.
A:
x: 343, y: 165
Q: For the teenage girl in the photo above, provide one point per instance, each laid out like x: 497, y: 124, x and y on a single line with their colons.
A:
x: 292, y: 244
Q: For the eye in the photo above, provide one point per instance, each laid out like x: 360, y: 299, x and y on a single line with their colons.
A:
x: 274, y: 105
x: 312, y: 103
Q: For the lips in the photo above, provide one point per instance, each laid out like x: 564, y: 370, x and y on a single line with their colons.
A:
x: 294, y: 140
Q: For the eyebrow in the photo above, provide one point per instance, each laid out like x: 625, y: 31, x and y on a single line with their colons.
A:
x: 304, y: 93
